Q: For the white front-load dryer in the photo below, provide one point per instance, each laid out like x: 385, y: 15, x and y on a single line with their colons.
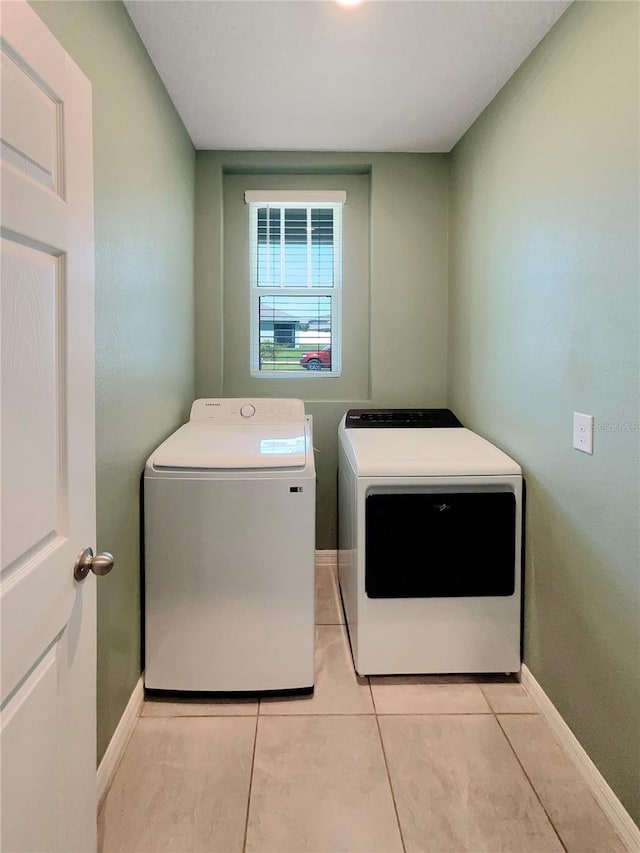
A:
x: 430, y: 540
x: 229, y: 509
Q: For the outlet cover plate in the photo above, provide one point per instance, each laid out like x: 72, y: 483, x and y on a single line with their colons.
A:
x: 583, y: 432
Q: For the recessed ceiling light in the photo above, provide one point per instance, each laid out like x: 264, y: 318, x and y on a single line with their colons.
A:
x: 349, y: 2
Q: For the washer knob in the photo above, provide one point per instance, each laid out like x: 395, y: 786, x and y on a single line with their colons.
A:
x: 247, y: 410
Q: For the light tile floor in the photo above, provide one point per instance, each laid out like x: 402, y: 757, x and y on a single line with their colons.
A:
x: 365, y: 764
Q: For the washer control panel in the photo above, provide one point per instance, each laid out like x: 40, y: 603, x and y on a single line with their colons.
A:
x: 257, y: 411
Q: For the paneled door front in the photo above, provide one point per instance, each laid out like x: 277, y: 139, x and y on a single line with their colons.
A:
x: 48, y: 627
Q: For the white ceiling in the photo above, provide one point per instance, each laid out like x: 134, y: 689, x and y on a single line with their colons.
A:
x: 388, y: 75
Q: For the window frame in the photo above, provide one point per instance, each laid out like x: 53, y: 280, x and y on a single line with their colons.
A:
x: 286, y: 200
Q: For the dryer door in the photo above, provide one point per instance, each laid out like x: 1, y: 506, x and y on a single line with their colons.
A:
x: 440, y: 544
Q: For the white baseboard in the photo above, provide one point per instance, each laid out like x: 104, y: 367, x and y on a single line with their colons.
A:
x: 119, y: 741
x: 599, y: 787
x: 326, y: 558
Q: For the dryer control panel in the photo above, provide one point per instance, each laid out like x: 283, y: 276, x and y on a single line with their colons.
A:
x: 257, y: 411
x: 401, y: 418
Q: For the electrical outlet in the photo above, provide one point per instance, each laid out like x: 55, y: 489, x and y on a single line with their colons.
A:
x: 583, y: 432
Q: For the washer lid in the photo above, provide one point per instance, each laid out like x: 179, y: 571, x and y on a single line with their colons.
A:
x: 424, y: 453
x: 226, y: 447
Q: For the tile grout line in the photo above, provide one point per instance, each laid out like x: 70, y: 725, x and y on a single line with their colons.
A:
x: 533, y: 787
x: 318, y: 714
x: 253, y: 761
x: 342, y: 714
x: 434, y: 713
x: 393, y: 793
x: 386, y: 767
x: 198, y: 716
x: 375, y: 713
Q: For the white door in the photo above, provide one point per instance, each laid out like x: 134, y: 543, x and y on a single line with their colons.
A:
x: 48, y: 483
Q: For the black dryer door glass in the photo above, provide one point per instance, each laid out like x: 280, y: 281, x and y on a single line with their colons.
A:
x: 439, y: 544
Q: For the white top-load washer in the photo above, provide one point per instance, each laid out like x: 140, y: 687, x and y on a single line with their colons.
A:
x: 229, y: 509
x: 430, y: 530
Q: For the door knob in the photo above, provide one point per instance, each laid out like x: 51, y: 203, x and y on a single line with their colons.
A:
x: 101, y: 564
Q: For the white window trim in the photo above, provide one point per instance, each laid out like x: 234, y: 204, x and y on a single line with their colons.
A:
x: 304, y: 199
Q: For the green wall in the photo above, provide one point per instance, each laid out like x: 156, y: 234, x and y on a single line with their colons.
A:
x: 544, y: 291
x: 144, y: 185
x: 401, y: 276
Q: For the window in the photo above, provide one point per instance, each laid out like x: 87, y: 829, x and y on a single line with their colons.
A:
x: 295, y: 243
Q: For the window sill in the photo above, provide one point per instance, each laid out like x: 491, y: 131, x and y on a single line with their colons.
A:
x: 295, y: 374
